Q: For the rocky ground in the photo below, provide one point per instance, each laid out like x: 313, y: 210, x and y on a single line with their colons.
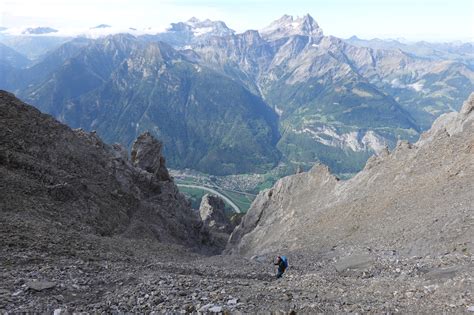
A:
x: 57, y: 271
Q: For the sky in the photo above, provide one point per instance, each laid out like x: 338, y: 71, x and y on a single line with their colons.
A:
x: 431, y: 20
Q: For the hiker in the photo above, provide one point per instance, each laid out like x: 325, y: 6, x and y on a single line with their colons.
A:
x: 282, y: 264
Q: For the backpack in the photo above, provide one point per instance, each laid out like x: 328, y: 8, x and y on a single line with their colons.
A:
x: 285, y: 261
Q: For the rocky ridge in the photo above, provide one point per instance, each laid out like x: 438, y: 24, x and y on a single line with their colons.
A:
x: 416, y: 199
x: 76, y: 180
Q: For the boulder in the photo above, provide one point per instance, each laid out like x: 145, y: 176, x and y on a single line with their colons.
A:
x: 147, y: 155
x: 212, y: 214
x: 355, y: 262
x: 40, y: 285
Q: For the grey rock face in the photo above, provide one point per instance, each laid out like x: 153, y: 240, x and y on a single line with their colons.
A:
x: 285, y: 194
x: 212, y: 213
x: 147, y: 155
x: 416, y: 199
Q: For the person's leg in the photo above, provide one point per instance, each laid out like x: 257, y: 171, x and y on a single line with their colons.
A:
x: 280, y: 272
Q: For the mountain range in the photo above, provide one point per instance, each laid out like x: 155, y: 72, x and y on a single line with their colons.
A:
x: 226, y: 103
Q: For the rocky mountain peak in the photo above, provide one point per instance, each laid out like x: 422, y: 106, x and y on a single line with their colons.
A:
x: 196, y: 27
x: 251, y: 36
x: 288, y: 25
x: 147, y: 155
x: 193, y: 20
x: 118, y: 44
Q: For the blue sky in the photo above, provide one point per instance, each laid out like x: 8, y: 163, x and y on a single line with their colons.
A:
x: 433, y: 20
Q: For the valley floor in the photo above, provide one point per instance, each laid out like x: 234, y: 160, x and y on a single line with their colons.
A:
x: 106, y: 274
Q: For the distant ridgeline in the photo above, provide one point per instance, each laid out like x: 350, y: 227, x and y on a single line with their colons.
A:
x: 227, y: 103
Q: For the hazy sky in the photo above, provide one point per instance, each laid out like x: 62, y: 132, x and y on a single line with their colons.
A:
x: 434, y: 20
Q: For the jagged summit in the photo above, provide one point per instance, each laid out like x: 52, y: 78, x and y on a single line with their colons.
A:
x: 288, y: 25
x: 192, y: 31
x: 197, y: 27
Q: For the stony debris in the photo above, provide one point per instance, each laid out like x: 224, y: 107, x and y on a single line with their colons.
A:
x: 96, y: 274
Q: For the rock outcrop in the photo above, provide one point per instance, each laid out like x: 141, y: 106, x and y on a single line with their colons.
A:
x: 212, y: 214
x: 147, y: 155
x: 416, y: 199
x: 215, y: 221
